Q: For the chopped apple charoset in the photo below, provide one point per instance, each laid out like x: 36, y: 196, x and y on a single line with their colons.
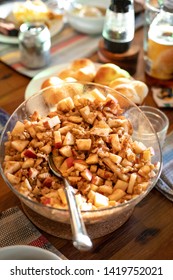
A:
x: 92, y: 146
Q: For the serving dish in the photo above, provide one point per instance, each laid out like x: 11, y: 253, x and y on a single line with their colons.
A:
x: 100, y: 221
x: 55, y: 26
x: 26, y: 252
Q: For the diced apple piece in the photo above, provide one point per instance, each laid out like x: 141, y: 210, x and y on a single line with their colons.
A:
x: 104, y: 174
x: 58, y: 160
x: 91, y: 195
x: 132, y: 182
x: 96, y: 180
x: 105, y: 189
x: 101, y: 200
x: 97, y: 95
x: 11, y: 166
x: 86, y: 174
x: 19, y: 145
x: 146, y: 155
x: 57, y: 139
x: 111, y: 97
x: 115, y: 158
x: 12, y: 178
x: 131, y: 156
x: 46, y: 149
x: 125, y: 162
x: 138, y: 147
x: 65, y: 104
x: 86, y: 96
x: 117, y: 195
x: 100, y: 128
x: 93, y: 168
x: 121, y: 185
x: 83, y: 144
x: 67, y: 163
x: 30, y: 153
x: 115, y: 141
x: 18, y: 129
x: 87, y: 115
x: 31, y: 131
x: 51, y: 122
x: 118, y: 122
x: 64, y: 130
x: 26, y: 185
x: 93, y: 187
x: 79, y: 166
x: 75, y: 119
x: 92, y: 159
x: 69, y: 139
x: 66, y: 151
x: 29, y: 162
x: 144, y: 170
x: 62, y: 195
x: 108, y: 183
x: 76, y: 100
x: 111, y: 165
x: 74, y: 179
x: 33, y: 172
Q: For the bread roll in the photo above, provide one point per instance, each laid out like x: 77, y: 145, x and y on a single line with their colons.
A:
x: 141, y: 89
x: 132, y: 89
x: 51, y: 81
x: 128, y: 91
x: 53, y: 95
x: 119, y: 81
x: 80, y: 69
x: 109, y: 72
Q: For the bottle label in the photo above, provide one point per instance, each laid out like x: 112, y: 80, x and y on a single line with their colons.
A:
x: 159, y: 62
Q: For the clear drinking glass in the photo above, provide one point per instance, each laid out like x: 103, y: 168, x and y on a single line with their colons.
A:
x: 152, y: 8
x: 159, y: 122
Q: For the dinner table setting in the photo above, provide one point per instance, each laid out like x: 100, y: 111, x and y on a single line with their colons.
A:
x: 143, y: 232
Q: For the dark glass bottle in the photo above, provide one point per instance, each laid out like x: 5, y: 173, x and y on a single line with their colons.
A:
x: 119, y: 26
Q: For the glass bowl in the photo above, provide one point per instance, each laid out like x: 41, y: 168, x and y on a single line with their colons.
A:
x: 101, y: 221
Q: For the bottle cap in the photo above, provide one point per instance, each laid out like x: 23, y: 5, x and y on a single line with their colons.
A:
x: 120, y: 6
x: 168, y: 6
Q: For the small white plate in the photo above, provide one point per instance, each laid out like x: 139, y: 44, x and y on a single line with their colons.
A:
x: 55, y: 27
x: 35, y: 84
x: 26, y: 252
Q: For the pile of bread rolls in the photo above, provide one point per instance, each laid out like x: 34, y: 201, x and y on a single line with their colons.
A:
x: 109, y: 74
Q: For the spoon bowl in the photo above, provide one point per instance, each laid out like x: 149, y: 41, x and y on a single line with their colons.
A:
x: 81, y: 240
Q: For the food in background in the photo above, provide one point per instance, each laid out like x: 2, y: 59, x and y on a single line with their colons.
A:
x: 84, y: 70
x: 32, y: 11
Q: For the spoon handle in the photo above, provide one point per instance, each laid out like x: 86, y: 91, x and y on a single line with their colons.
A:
x: 81, y: 239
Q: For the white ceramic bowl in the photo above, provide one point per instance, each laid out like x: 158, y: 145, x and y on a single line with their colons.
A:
x: 26, y: 252
x: 87, y: 24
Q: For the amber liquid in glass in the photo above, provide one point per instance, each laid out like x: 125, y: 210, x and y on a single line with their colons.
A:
x: 159, y: 58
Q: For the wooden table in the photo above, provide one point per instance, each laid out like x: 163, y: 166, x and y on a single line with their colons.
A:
x: 148, y: 234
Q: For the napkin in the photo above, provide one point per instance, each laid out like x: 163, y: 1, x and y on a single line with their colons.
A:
x: 16, y: 229
x: 4, y: 116
x: 165, y: 182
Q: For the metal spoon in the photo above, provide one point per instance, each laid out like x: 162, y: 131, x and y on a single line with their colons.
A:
x: 81, y: 239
